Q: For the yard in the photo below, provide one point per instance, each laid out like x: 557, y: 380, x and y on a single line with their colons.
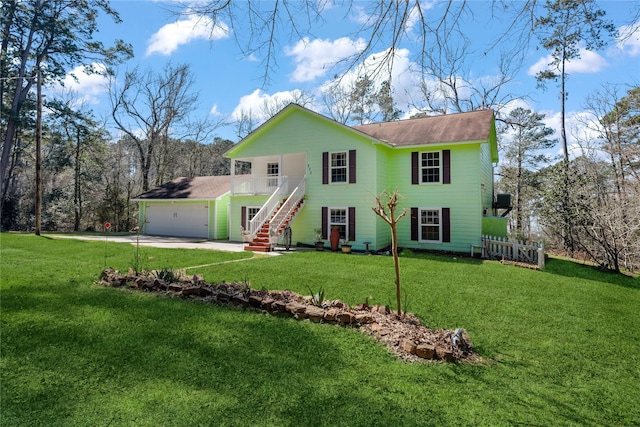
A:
x: 560, y: 347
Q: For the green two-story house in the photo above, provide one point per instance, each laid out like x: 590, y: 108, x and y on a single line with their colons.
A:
x: 314, y: 174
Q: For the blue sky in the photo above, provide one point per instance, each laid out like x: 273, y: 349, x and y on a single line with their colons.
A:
x: 229, y: 82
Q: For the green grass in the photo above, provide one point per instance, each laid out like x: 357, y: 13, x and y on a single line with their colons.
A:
x: 561, y: 346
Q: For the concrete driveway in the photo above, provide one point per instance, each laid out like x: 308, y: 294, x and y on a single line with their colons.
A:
x: 169, y: 242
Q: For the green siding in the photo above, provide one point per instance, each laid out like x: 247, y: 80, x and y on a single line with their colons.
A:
x: 379, y: 167
x: 486, y: 170
x: 462, y: 196
x: 494, y: 226
x: 218, y: 216
x: 237, y: 202
x: 304, y: 132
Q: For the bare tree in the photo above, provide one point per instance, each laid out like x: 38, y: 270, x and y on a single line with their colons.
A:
x: 335, y: 99
x: 153, y: 104
x: 385, y: 26
x: 385, y: 208
x: 273, y: 105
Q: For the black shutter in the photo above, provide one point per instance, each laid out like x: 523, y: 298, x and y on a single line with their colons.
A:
x: 325, y: 167
x: 352, y: 166
x: 446, y: 224
x: 415, y: 170
x: 243, y: 217
x: 414, y: 223
x: 351, y: 233
x: 446, y: 166
x: 325, y: 222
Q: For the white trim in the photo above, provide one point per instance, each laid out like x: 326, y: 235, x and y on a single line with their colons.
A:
x: 420, y: 167
x: 346, y: 218
x: 420, y: 225
x: 346, y: 167
x: 248, y: 219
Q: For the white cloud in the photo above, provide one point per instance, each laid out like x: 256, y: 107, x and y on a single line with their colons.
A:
x: 254, y: 104
x: 316, y: 58
x: 214, y: 111
x: 582, y: 133
x: 589, y: 62
x: 87, y: 86
x: 629, y: 40
x: 402, y: 79
x: 168, y: 38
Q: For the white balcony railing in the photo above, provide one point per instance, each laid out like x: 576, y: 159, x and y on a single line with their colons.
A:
x: 251, y: 185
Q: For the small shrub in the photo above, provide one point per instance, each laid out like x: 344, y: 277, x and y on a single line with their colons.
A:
x: 318, y: 298
x: 169, y: 275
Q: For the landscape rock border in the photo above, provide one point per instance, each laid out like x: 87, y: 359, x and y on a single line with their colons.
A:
x: 404, y: 335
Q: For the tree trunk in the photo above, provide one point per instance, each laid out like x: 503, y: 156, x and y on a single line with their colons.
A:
x: 77, y: 197
x: 39, y: 156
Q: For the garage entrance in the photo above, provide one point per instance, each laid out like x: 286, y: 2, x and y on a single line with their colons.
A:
x: 178, y: 219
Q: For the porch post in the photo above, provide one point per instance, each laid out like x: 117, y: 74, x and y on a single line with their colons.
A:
x: 233, y: 173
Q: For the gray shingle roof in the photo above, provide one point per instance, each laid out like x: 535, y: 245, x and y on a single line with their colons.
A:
x: 461, y: 127
x: 199, y: 187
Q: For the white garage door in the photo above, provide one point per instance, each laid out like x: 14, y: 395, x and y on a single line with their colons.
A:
x: 178, y: 219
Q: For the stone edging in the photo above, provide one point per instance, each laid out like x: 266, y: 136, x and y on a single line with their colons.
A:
x: 404, y: 335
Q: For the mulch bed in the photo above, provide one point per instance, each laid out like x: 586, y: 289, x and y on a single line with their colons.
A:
x: 404, y: 335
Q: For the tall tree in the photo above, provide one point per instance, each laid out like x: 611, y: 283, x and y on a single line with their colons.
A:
x: 386, y: 104
x: 524, y: 153
x: 155, y: 104
x: 84, y: 137
x: 362, y: 100
x: 56, y: 32
x: 567, y: 26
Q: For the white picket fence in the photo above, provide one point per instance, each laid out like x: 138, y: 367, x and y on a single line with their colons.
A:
x: 501, y: 248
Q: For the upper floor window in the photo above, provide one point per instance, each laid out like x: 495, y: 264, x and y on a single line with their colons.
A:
x: 339, y: 167
x: 272, y: 174
x: 430, y: 167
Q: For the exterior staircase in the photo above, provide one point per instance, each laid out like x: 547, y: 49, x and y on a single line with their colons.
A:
x: 263, y: 240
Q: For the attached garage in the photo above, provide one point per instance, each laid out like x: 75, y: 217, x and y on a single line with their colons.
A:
x: 187, y: 207
x: 177, y: 219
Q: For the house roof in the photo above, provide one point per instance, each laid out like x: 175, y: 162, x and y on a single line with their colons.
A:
x: 198, y: 187
x: 460, y: 127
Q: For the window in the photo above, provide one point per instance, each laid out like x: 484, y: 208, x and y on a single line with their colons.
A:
x: 344, y: 219
x: 251, y: 212
x: 430, y: 167
x: 339, y: 167
x: 272, y: 174
x: 430, y: 225
x: 338, y: 219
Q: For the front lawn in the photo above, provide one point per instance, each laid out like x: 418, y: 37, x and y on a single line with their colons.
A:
x: 560, y: 347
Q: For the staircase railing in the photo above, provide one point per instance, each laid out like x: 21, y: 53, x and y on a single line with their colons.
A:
x: 266, y: 211
x: 280, y: 218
